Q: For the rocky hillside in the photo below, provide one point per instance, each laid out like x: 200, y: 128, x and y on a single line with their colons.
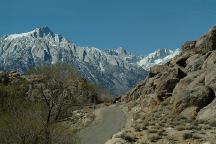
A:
x: 115, y: 69
x: 188, y: 79
x: 176, y: 102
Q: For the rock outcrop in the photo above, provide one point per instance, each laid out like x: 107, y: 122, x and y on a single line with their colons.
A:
x: 188, y: 80
x: 176, y: 103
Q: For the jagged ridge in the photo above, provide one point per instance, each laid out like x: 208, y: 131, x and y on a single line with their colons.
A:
x: 115, y: 69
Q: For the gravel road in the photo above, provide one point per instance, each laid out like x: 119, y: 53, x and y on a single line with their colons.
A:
x: 109, y: 121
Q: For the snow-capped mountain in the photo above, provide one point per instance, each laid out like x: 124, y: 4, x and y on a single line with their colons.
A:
x: 115, y: 69
x: 158, y: 57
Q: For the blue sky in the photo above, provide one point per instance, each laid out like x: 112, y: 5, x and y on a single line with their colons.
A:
x: 140, y: 26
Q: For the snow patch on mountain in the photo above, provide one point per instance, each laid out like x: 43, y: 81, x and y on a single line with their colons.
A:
x: 160, y: 56
x: 15, y: 36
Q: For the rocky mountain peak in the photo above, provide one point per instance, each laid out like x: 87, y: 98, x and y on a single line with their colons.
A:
x: 163, y: 51
x: 121, y: 51
x: 160, y: 56
x: 36, y: 33
x: 42, y: 31
x: 41, y: 46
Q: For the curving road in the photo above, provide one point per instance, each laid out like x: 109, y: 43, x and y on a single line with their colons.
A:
x: 109, y: 121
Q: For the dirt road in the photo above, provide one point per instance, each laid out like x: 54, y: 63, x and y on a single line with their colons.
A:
x: 109, y: 121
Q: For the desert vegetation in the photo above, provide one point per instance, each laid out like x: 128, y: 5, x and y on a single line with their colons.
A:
x: 34, y: 107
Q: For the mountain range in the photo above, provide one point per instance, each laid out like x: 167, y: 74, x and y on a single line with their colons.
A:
x: 115, y: 69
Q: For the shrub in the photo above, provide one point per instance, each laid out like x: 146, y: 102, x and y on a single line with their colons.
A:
x: 187, y: 135
x: 139, y: 127
x: 128, y: 138
x: 212, y: 123
x: 152, y: 131
x: 154, y: 138
x: 196, y: 137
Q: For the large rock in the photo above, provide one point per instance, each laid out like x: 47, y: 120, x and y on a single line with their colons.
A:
x: 208, y: 113
x: 149, y: 102
x: 199, y: 96
x: 190, y: 112
x: 164, y: 87
x: 181, y: 61
x: 210, y: 77
x: 211, y: 60
x: 194, y: 62
x: 154, y: 70
x: 167, y: 80
x: 191, y: 91
x: 193, y: 79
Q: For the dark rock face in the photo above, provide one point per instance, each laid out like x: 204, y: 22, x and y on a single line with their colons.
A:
x: 188, y: 81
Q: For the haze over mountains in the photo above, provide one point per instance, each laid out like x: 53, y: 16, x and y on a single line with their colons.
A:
x: 115, y: 69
